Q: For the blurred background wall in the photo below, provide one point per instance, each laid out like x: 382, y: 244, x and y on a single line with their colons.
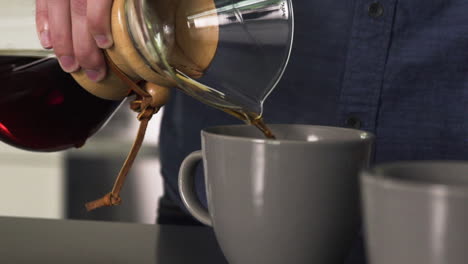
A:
x: 56, y: 185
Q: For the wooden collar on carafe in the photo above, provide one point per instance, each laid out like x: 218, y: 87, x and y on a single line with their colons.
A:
x: 147, y: 103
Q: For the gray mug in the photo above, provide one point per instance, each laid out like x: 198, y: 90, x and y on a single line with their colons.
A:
x: 291, y: 200
x: 416, y: 212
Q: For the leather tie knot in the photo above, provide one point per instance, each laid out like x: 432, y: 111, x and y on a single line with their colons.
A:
x: 147, y: 114
x: 149, y: 100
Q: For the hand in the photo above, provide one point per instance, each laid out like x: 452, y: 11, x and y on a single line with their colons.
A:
x: 76, y: 30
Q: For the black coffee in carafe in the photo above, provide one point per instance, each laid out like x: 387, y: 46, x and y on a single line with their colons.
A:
x: 42, y: 108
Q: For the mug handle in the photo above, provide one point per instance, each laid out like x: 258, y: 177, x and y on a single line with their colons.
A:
x: 187, y: 188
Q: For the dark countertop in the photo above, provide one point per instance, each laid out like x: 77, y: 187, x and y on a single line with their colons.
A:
x: 25, y: 240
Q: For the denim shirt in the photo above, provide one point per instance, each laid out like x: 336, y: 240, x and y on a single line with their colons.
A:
x: 398, y: 69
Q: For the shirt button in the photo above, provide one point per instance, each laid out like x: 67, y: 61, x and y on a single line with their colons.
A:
x: 353, y: 122
x: 376, y: 10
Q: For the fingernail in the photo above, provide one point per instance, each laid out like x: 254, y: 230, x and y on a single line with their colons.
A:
x: 94, y: 75
x: 103, y: 41
x: 45, y: 39
x: 68, y: 63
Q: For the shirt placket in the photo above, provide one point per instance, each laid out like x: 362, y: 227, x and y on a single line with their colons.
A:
x: 365, y: 65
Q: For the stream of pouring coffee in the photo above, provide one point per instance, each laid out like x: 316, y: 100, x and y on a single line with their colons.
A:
x: 260, y: 124
x: 252, y: 119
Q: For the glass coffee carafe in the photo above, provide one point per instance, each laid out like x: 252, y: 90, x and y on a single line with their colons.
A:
x: 229, y: 54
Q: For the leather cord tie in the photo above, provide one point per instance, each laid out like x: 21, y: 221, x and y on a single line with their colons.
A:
x: 147, y: 103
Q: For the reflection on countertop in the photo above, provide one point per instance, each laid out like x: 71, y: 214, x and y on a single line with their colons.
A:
x: 63, y: 241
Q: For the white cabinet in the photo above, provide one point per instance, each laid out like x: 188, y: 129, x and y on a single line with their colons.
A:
x: 31, y: 184
x: 17, y: 25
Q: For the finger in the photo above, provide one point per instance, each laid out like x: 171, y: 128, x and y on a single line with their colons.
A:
x: 42, y: 24
x: 61, y: 35
x: 99, y: 22
x: 87, y: 53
